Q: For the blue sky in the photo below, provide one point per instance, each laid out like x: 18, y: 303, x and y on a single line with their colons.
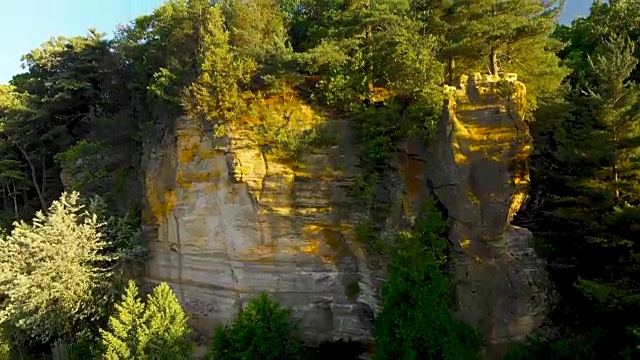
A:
x: 25, y: 24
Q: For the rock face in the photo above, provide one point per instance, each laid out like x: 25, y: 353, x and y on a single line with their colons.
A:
x: 477, y: 167
x: 231, y: 221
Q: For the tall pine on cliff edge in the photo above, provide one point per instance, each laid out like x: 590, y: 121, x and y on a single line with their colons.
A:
x: 507, y: 36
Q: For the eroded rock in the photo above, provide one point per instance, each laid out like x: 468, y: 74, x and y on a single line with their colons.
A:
x: 231, y: 221
x: 478, y: 168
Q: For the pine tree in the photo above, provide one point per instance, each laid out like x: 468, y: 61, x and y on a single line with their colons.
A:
x: 156, y: 330
x: 617, y: 108
x: 167, y: 325
x: 508, y: 36
x: 127, y: 335
x: 262, y: 331
x: 216, y: 93
x: 52, y: 272
x: 257, y: 29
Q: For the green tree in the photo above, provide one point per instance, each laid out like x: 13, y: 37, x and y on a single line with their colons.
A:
x: 167, y: 324
x: 508, y: 36
x: 261, y: 331
x: 617, y: 108
x: 216, y: 94
x: 155, y: 330
x: 257, y: 29
x: 416, y: 320
x: 585, y: 221
x: 127, y: 335
x: 52, y: 272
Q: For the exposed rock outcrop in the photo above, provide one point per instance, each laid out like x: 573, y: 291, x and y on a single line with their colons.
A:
x: 477, y: 167
x: 232, y: 220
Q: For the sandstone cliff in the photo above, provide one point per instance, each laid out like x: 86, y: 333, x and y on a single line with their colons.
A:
x: 231, y: 219
x: 478, y: 169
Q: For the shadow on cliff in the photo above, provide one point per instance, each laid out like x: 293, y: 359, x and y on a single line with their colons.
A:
x: 337, y: 350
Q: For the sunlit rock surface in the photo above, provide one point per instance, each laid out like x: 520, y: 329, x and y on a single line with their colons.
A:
x: 228, y: 219
x: 232, y: 220
x: 478, y: 169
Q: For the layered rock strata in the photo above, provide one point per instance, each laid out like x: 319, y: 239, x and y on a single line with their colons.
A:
x: 478, y: 169
x: 231, y: 220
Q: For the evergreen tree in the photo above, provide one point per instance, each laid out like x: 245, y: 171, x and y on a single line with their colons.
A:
x: 585, y: 221
x: 127, y: 335
x: 167, y: 326
x: 508, y: 36
x: 155, y: 331
x: 261, y: 331
x: 52, y: 272
x: 257, y: 30
x: 617, y: 109
x: 216, y: 93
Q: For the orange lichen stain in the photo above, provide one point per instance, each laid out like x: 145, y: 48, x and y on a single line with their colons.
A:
x: 465, y: 243
x: 485, y: 133
x: 206, y: 153
x: 161, y: 208
x: 516, y: 203
x: 210, y: 188
x: 527, y: 148
x: 206, y: 176
x: 520, y: 179
x: 460, y: 158
x: 312, y: 248
x: 314, y: 210
x: 319, y: 228
x: 170, y: 200
x: 187, y: 154
x: 281, y: 210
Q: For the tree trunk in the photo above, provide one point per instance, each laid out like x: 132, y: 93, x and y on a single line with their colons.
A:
x: 34, y: 178
x: 614, y: 170
x: 15, y: 202
x: 44, y: 176
x: 494, y: 61
x: 368, y: 36
x: 451, y: 69
x: 5, y: 203
x: 25, y: 198
x: 493, y: 56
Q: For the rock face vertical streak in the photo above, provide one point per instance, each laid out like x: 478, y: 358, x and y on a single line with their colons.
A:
x: 478, y: 168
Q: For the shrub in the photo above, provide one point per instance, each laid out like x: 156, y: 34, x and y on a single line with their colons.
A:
x: 261, y: 331
x: 157, y: 330
x: 591, y: 345
x: 416, y: 320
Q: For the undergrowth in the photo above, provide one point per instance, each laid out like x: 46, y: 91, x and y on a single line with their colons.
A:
x: 416, y: 321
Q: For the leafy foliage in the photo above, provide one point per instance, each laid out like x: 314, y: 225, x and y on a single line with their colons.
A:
x: 261, y: 331
x: 584, y: 174
x: 416, y: 320
x: 155, y: 330
x: 53, y: 276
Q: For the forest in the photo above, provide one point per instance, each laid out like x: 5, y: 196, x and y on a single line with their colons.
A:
x: 91, y: 104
